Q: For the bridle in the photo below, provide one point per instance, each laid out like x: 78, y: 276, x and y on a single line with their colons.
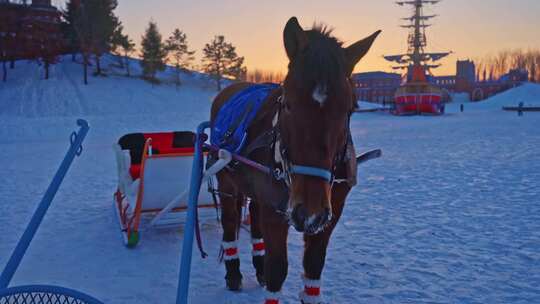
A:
x: 287, y: 167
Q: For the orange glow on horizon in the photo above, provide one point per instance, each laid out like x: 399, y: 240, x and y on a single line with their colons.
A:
x: 471, y: 29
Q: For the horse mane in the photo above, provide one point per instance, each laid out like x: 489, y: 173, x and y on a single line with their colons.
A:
x: 322, y: 62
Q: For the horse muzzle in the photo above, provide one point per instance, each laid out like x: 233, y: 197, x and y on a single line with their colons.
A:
x: 312, y: 224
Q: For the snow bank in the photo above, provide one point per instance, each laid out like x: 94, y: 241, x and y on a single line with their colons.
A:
x: 366, y: 105
x: 528, y: 93
x: 105, y: 102
x: 460, y: 97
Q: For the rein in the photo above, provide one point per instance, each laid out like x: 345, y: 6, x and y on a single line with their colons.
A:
x: 272, y: 138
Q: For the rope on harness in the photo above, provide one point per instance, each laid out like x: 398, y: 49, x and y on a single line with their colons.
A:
x: 198, y: 234
x: 197, y: 224
x: 213, y: 191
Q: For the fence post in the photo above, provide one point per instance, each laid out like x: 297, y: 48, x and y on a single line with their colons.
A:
x: 194, y: 189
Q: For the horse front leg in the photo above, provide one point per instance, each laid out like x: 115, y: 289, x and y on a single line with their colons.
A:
x: 275, y: 231
x: 231, y: 202
x: 315, y: 249
x: 258, y: 247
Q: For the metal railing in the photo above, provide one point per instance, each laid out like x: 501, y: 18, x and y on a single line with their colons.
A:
x: 44, y: 294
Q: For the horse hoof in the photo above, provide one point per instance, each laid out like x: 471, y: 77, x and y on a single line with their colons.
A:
x: 234, y: 284
x: 258, y: 263
x: 302, y: 302
x: 233, y: 278
x: 261, y: 280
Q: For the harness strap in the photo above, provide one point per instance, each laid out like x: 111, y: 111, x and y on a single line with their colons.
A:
x: 263, y: 141
x: 312, y: 171
x: 198, y: 235
x: 280, y: 156
x: 214, y: 197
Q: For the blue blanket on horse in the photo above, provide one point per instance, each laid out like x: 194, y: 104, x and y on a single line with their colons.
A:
x: 229, y: 130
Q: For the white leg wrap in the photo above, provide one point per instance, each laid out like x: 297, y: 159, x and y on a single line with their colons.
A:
x: 312, y: 292
x: 258, y: 247
x: 230, y: 250
x: 272, y: 297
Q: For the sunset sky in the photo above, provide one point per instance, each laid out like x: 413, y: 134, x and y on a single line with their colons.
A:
x: 470, y: 28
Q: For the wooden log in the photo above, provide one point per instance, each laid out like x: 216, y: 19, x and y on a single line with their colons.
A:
x: 367, y: 110
x: 523, y: 109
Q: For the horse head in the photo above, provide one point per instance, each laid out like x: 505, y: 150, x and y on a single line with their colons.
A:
x: 317, y: 103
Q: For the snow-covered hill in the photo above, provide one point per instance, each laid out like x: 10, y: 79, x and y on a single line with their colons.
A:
x: 106, y: 101
x: 528, y: 93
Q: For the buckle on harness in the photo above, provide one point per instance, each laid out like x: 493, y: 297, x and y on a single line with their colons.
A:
x: 279, y: 174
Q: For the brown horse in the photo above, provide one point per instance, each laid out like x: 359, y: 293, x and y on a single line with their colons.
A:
x: 301, y: 132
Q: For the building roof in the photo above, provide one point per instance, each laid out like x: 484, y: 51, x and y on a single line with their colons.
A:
x: 445, y: 77
x: 378, y: 74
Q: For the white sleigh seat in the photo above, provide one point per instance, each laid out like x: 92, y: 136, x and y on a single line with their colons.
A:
x: 153, y: 178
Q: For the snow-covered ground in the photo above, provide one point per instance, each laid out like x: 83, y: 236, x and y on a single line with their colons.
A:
x: 366, y: 105
x: 450, y: 214
x: 460, y: 97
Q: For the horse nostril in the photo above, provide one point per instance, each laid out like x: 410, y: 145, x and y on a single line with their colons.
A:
x: 298, y: 217
x: 309, y: 224
x: 328, y: 214
x: 317, y: 223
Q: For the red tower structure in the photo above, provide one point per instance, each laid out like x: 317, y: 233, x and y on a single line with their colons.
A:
x: 417, y: 95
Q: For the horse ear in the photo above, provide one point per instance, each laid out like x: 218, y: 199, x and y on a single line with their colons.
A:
x: 356, y: 51
x: 294, y: 38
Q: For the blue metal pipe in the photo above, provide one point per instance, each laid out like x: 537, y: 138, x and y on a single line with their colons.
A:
x: 194, y: 189
x: 39, y: 214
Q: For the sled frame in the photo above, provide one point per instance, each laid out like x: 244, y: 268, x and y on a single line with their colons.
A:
x: 130, y: 222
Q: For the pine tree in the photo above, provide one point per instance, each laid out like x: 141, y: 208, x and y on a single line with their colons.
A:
x: 82, y: 23
x: 532, y: 71
x: 70, y: 14
x: 128, y: 47
x: 177, y: 48
x: 153, y: 54
x: 117, y: 40
x: 220, y: 60
x: 104, y: 24
x: 94, y: 22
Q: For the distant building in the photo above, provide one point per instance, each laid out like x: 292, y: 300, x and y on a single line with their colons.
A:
x: 465, y: 76
x: 380, y: 87
x: 24, y: 28
x: 487, y: 88
x: 466, y: 71
x: 446, y: 82
x: 376, y: 86
x: 516, y: 76
x: 462, y: 82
